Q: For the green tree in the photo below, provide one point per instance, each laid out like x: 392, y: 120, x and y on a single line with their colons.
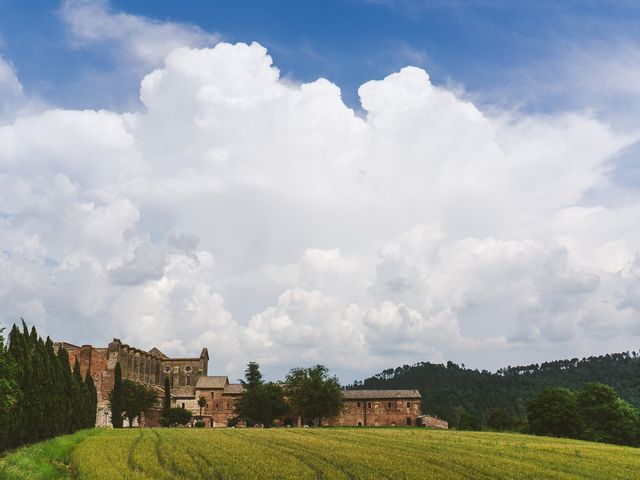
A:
x: 606, y: 417
x: 554, y: 412
x: 261, y: 402
x: 137, y: 399
x: 92, y: 400
x: 500, y: 419
x: 79, y: 398
x: 115, y: 398
x: 9, y: 391
x: 314, y: 393
x: 66, y: 389
x: 166, y: 402
x: 468, y: 421
x: 178, y: 416
x: 202, y: 402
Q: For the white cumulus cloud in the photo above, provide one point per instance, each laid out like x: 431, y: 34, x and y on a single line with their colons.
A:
x: 264, y: 219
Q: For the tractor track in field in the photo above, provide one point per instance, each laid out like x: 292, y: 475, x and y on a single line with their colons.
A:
x: 343, y: 468
x: 199, y: 458
x: 167, y: 464
x: 400, y: 448
x: 289, y: 450
x: 296, y: 453
x: 131, y: 462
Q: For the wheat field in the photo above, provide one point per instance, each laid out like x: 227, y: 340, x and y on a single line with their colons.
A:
x: 340, y: 453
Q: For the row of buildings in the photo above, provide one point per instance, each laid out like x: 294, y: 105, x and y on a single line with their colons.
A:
x: 190, y: 381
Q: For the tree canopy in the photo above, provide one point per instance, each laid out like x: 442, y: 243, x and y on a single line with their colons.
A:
x: 261, y: 402
x: 137, y: 399
x: 314, y: 393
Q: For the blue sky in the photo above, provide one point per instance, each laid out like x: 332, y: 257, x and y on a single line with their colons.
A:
x: 417, y: 181
x: 485, y: 46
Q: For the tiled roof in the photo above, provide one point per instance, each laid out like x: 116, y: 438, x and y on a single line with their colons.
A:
x: 379, y: 394
x: 233, y: 389
x: 212, y: 382
x: 183, y: 391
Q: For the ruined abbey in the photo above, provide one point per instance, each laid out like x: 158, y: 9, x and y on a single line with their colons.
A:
x: 190, y: 381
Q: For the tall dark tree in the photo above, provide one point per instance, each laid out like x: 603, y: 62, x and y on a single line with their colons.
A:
x: 166, y: 399
x: 92, y: 400
x: 56, y: 407
x: 115, y: 398
x: 314, y: 393
x: 46, y: 398
x: 261, y: 402
x: 67, y: 389
x: 9, y: 392
x: 79, y: 398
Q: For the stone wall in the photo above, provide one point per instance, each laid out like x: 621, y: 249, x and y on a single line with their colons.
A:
x: 381, y: 412
x: 433, y: 422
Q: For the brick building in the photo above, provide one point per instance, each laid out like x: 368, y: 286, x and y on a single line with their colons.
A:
x: 379, y: 407
x: 190, y: 381
x: 149, y: 368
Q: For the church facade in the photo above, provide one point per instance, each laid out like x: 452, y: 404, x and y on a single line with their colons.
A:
x: 190, y: 381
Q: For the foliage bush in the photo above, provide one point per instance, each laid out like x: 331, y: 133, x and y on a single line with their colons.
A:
x: 199, y: 424
x: 178, y: 416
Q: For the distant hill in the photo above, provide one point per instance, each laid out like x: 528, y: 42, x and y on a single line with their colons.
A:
x: 446, y: 388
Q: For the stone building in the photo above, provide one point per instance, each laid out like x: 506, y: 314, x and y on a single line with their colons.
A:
x: 149, y: 368
x: 379, y: 407
x: 190, y: 381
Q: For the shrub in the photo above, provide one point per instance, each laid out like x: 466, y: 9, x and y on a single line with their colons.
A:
x: 199, y: 424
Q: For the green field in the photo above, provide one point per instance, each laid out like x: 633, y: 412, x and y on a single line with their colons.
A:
x: 340, y: 453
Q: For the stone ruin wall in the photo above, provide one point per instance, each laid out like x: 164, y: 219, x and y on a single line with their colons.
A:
x: 433, y: 422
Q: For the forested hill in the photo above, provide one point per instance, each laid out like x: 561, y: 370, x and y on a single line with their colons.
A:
x: 447, y: 388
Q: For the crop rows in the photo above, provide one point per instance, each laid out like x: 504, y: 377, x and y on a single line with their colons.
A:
x: 344, y: 454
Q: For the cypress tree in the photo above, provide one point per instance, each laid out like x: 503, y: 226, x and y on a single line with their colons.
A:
x: 78, y: 398
x: 56, y: 396
x: 17, y: 353
x: 166, y: 401
x: 115, y: 398
x: 9, y: 393
x: 92, y: 401
x: 39, y: 425
x: 67, y: 390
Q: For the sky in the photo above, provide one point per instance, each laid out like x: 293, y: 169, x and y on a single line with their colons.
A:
x: 361, y: 184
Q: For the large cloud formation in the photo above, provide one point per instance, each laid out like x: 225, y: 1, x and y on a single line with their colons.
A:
x: 266, y: 220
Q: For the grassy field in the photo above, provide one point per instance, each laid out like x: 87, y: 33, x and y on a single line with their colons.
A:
x: 346, y: 453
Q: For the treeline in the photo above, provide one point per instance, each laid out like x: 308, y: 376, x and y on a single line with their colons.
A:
x: 40, y: 395
x: 459, y: 394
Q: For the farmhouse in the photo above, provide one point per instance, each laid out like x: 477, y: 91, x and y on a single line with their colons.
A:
x: 190, y: 381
